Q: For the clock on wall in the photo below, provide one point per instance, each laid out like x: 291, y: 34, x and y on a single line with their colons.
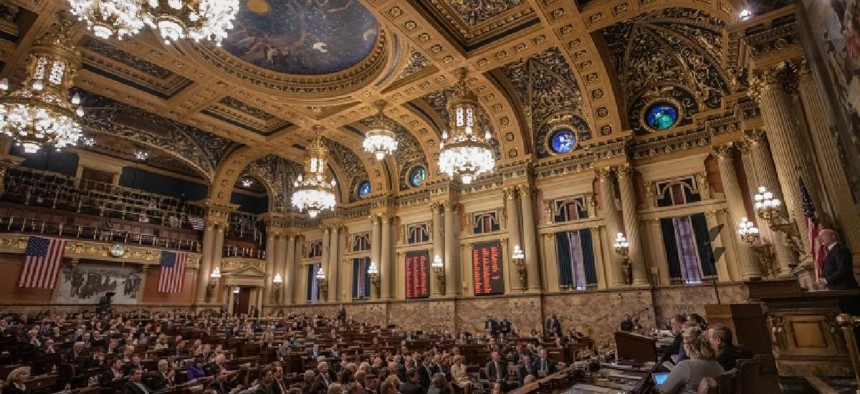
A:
x: 117, y: 250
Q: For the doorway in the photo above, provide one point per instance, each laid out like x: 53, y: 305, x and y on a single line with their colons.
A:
x: 241, y: 299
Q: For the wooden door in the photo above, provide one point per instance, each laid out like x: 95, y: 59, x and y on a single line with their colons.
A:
x: 242, y: 300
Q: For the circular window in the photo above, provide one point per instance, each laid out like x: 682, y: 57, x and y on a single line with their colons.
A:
x: 562, y: 140
x: 417, y: 176
x: 364, y: 188
x: 661, y: 116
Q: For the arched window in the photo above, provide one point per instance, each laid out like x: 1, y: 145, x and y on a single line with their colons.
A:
x: 417, y: 176
x: 661, y: 116
x: 562, y: 141
x: 364, y: 188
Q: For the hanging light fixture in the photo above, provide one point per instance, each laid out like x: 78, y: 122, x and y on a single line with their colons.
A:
x: 40, y: 112
x: 465, y: 152
x: 380, y: 139
x: 313, y: 193
x: 247, y: 182
x: 195, y: 19
x: 107, y: 18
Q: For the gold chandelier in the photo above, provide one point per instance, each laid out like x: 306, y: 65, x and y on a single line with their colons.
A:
x: 195, y: 19
x: 108, y: 18
x: 380, y: 140
x: 313, y: 192
x: 465, y: 153
x: 40, y: 112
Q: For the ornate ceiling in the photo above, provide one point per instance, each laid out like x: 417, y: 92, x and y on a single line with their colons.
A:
x: 292, y: 68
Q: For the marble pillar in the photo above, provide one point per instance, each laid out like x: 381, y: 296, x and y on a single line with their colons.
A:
x: 452, y: 250
x: 736, y: 209
x: 333, y: 265
x: 610, y: 219
x: 438, y: 244
x: 272, y: 266
x: 530, y: 246
x: 326, y: 251
x: 386, y: 266
x: 205, y: 263
x: 631, y: 225
x: 290, y: 278
x: 375, y: 247
x: 819, y: 119
x: 513, y: 227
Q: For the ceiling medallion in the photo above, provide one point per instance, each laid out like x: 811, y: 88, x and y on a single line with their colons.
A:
x: 107, y: 18
x: 40, y: 112
x: 313, y: 193
x: 380, y: 139
x: 465, y: 153
x: 198, y: 20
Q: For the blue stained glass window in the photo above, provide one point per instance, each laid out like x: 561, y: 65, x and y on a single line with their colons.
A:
x: 562, y: 141
x: 417, y: 176
x: 364, y: 188
x: 661, y: 116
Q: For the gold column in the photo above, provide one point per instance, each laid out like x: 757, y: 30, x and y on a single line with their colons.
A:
x: 205, y: 263
x: 526, y: 193
x: 438, y: 244
x: 375, y: 246
x: 385, y: 267
x: 290, y: 278
x: 761, y: 172
x: 452, y: 248
x: 631, y: 225
x: 774, y: 89
x: 599, y: 258
x: 218, y: 249
x: 513, y: 227
x: 735, y: 203
x: 333, y: 259
x: 610, y: 219
x: 818, y: 116
x: 271, y: 265
x: 326, y: 252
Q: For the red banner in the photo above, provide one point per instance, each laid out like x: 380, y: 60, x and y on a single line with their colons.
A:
x: 487, y: 268
x: 417, y: 275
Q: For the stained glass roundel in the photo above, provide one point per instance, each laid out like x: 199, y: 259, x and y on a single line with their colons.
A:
x: 661, y: 116
x: 562, y: 140
x: 364, y: 188
x: 417, y: 176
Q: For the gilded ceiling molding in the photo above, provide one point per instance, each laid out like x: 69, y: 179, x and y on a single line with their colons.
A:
x: 599, y: 15
x: 590, y: 69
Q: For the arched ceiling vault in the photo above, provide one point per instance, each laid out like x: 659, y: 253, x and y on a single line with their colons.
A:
x: 406, y: 53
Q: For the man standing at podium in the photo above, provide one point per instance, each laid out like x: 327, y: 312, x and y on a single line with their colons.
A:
x: 837, y: 272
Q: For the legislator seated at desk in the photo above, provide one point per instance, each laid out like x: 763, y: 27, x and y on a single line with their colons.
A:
x: 686, y: 376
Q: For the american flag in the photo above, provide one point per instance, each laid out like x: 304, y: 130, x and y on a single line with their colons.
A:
x: 42, y: 262
x: 172, y: 271
x: 196, y: 222
x: 812, y: 229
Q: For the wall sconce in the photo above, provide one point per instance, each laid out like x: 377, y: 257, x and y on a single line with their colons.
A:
x: 439, y: 271
x: 322, y: 283
x: 749, y: 234
x: 277, y: 281
x: 770, y: 209
x: 373, y: 271
x: 214, y: 277
x: 519, y: 259
x: 622, y: 248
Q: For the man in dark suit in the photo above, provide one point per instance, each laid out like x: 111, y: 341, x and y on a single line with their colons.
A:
x: 411, y: 385
x: 491, y: 326
x: 497, y: 369
x: 527, y: 367
x: 163, y: 377
x: 544, y: 365
x: 279, y: 385
x: 76, y: 354
x: 505, y: 327
x: 553, y: 326
x: 677, y: 324
x: 837, y: 272
x: 134, y: 385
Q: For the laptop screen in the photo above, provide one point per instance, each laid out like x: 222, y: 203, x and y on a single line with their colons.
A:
x: 659, y: 377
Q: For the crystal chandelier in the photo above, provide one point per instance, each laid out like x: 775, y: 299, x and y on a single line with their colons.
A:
x: 40, y: 112
x: 465, y: 152
x: 107, y: 18
x: 380, y: 140
x: 313, y: 193
x: 195, y: 19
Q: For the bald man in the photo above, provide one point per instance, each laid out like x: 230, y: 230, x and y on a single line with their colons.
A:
x: 837, y: 272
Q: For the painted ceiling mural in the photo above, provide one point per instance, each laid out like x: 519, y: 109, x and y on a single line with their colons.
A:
x: 671, y: 55
x: 302, y: 37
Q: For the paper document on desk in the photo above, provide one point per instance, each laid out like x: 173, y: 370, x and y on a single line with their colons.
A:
x: 589, y: 389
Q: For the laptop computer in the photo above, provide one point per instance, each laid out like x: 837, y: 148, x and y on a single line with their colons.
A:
x: 659, y: 377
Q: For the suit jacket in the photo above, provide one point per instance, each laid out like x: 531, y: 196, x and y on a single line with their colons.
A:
x: 264, y: 389
x: 838, y: 269
x: 553, y: 326
x: 11, y: 389
x: 158, y: 381
x: 491, y: 326
x: 526, y: 370
x: 675, y: 347
x: 132, y: 388
x: 424, y: 376
x: 276, y: 389
x: 500, y: 374
x: 505, y: 327
x: 539, y: 364
x: 219, y: 387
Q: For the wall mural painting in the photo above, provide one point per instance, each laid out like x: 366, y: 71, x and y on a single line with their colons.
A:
x: 87, y: 283
x: 302, y: 37
x: 830, y: 32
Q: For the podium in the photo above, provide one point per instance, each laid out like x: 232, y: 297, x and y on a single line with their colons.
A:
x: 747, y: 322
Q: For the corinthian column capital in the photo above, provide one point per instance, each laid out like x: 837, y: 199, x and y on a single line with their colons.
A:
x: 722, y: 152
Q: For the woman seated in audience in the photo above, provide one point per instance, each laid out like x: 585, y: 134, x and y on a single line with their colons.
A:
x: 15, y: 381
x: 497, y: 388
x: 459, y: 376
x: 686, y: 376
